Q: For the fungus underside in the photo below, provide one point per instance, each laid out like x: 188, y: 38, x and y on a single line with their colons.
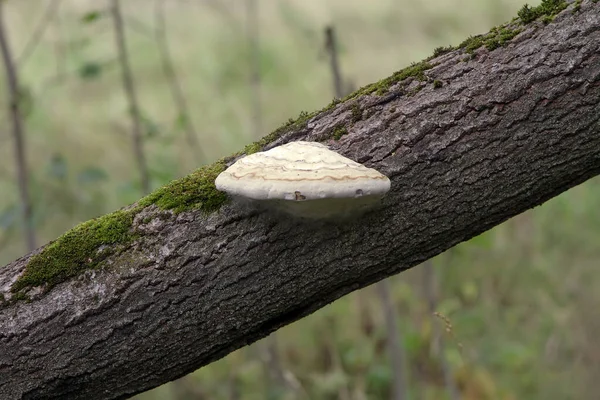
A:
x: 81, y: 247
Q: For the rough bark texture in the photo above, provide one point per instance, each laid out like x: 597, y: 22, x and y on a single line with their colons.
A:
x: 508, y: 130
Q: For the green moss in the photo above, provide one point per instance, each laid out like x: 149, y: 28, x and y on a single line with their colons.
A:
x: 81, y: 248
x: 356, y: 113
x: 437, y: 84
x: 289, y: 125
x: 77, y: 250
x: 577, y: 6
x: 438, y: 51
x: 19, y: 297
x: 495, y: 38
x: 527, y: 14
x: 415, y: 70
x: 339, y: 131
x: 415, y: 90
x: 195, y: 191
x: 252, y: 148
x: 499, y: 36
x: 547, y: 9
x: 471, y: 43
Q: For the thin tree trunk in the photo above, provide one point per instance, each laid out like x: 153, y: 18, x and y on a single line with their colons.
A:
x: 254, y: 62
x: 365, y: 317
x: 270, y: 352
x: 39, y: 31
x: 18, y: 131
x: 430, y: 288
x: 332, y: 49
x: 185, y: 279
x: 129, y: 86
x: 184, y: 116
x: 394, y: 339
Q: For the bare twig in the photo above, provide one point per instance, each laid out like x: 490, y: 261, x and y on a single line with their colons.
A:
x: 331, y: 48
x: 254, y: 54
x: 18, y: 133
x: 394, y: 341
x: 169, y: 71
x: 129, y: 87
x: 383, y: 287
x: 430, y: 286
x: 273, y: 364
x: 138, y: 26
x: 223, y: 9
x: 272, y: 361
x: 60, y: 48
x: 38, y: 33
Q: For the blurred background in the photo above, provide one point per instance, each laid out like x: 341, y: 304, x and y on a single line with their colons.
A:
x: 117, y: 98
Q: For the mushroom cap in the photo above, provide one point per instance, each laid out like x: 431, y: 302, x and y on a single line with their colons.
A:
x: 302, y: 172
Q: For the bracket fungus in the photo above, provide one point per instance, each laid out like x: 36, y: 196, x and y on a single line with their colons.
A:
x: 304, y: 179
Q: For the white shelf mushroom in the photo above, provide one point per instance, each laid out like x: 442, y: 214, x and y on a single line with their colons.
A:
x: 305, y: 179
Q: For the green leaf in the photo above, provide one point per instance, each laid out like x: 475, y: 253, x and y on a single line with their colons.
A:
x: 57, y: 167
x: 25, y: 99
x: 90, y: 70
x: 151, y: 129
x: 9, y: 216
x: 91, y: 16
x: 484, y: 241
x: 91, y: 175
x: 378, y: 380
x: 181, y: 121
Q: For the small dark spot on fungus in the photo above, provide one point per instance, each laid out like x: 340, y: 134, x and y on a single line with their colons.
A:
x: 437, y: 84
x: 299, y: 196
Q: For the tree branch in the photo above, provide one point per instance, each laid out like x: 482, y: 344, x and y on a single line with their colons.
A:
x: 184, y: 116
x: 38, y: 33
x: 14, y: 103
x: 476, y: 141
x: 129, y: 86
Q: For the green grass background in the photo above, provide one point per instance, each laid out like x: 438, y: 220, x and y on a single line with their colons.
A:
x: 523, y: 299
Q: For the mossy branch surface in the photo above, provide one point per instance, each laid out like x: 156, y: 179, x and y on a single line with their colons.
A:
x: 76, y: 250
x: 91, y: 242
x: 195, y: 191
x: 88, y: 244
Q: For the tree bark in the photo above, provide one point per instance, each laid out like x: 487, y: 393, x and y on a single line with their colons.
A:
x: 507, y: 130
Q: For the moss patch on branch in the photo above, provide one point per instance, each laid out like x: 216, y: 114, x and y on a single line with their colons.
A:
x: 77, y: 250
x: 196, y: 191
x: 415, y: 70
x: 547, y: 10
x: 501, y: 35
x: 88, y: 244
x: 339, y: 131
